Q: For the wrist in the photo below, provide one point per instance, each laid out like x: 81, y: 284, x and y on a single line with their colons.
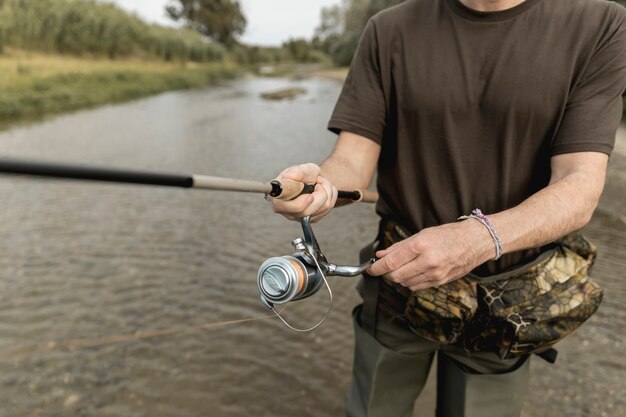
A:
x: 485, y: 221
x: 481, y: 243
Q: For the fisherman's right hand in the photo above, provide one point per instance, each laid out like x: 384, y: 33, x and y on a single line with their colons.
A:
x: 317, y: 205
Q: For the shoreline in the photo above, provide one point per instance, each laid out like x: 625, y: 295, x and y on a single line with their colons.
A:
x: 337, y: 74
x: 36, y: 85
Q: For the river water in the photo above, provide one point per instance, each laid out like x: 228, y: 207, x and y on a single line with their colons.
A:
x: 100, y: 263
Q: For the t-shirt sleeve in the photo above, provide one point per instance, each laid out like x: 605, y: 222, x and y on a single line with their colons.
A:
x: 594, y: 108
x: 361, y: 108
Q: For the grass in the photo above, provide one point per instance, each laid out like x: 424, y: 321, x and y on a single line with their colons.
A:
x: 33, y: 85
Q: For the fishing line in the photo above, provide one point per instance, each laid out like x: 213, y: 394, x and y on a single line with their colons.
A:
x: 330, y: 306
x: 75, y: 344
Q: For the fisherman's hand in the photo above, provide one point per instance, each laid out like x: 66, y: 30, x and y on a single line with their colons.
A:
x: 435, y: 256
x: 317, y: 205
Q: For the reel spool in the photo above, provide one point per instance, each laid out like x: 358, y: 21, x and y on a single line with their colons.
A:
x: 284, y: 279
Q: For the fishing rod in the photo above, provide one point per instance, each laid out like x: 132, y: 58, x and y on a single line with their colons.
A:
x: 283, y: 189
x: 280, y: 279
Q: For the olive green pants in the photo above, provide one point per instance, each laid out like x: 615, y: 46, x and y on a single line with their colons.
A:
x: 391, y: 368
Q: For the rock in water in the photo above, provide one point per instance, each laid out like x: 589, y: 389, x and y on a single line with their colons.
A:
x: 286, y: 93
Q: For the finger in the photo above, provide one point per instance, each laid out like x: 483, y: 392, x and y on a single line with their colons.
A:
x: 417, y: 280
x: 295, y: 206
x: 404, y: 274
x: 318, y: 217
x: 390, y: 249
x: 425, y: 281
x: 328, y: 206
x: 319, y: 199
x: 330, y: 192
x: 422, y: 286
x: 335, y: 196
x: 306, y: 173
x: 392, y: 261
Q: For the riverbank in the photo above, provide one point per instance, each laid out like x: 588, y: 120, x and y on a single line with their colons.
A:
x: 34, y: 85
x: 337, y: 74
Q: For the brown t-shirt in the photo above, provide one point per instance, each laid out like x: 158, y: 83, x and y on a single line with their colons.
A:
x: 469, y: 106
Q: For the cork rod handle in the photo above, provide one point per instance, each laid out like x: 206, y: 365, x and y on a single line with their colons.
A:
x: 368, y: 196
x: 285, y: 189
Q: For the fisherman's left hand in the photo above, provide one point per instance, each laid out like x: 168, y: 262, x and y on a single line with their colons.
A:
x: 435, y: 256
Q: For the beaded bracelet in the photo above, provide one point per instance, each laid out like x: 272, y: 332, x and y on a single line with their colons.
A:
x: 478, y: 215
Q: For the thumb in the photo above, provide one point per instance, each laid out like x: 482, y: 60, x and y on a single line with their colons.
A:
x: 306, y: 173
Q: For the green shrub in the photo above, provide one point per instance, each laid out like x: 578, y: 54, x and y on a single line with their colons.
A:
x: 72, y: 91
x: 343, y: 50
x: 318, y: 57
x: 87, y: 27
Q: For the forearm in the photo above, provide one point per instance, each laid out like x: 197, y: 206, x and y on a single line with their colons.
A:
x: 438, y: 255
x: 352, y: 163
x: 563, y: 206
x: 343, y: 173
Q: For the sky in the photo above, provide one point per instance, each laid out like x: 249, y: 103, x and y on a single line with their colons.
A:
x: 270, y: 22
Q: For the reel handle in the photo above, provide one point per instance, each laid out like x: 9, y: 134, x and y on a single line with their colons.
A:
x: 286, y: 189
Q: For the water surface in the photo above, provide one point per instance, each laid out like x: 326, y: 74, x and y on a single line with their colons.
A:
x: 82, y: 260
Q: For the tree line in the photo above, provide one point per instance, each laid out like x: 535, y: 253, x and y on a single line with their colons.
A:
x: 209, y: 31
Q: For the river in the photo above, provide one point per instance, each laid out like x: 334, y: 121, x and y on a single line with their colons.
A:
x: 100, y: 263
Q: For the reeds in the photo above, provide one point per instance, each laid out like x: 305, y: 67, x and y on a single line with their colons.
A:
x: 30, y: 93
x: 87, y: 27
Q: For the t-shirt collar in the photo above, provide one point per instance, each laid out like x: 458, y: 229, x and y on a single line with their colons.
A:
x: 468, y: 13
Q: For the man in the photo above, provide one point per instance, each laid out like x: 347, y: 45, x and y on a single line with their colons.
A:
x: 509, y: 106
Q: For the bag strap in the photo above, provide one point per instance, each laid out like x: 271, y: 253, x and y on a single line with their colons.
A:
x: 548, y: 355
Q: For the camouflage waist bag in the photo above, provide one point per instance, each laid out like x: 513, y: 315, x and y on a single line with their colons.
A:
x: 519, y: 312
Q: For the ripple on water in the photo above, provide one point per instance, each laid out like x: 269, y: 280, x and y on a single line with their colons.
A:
x: 84, y: 261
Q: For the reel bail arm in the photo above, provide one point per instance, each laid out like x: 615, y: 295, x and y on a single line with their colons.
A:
x: 330, y: 269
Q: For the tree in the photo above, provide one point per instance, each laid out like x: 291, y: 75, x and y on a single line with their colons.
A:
x: 330, y: 29
x: 341, y: 27
x: 298, y: 49
x: 220, y: 20
x: 378, y: 5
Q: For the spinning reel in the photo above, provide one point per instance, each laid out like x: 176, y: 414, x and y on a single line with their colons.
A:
x: 294, y: 277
